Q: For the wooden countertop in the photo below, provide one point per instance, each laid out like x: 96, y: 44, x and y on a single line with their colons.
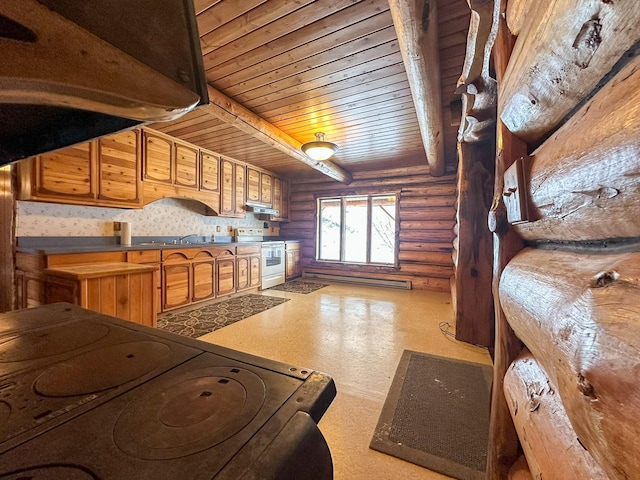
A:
x: 96, y: 270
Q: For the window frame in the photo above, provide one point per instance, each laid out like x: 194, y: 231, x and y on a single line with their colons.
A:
x: 343, y: 202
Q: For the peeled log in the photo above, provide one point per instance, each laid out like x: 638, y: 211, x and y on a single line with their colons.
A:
x: 520, y: 470
x: 549, y: 441
x: 584, y: 179
x: 559, y: 58
x: 579, y: 314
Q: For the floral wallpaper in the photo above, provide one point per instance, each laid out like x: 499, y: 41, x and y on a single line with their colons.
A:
x: 165, y: 217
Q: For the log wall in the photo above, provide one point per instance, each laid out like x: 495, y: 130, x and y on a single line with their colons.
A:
x: 548, y: 438
x: 573, y: 297
x: 427, y: 217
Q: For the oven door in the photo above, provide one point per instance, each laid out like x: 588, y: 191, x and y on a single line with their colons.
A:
x: 272, y: 264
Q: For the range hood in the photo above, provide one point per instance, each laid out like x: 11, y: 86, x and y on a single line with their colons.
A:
x: 73, y: 71
x: 261, y: 209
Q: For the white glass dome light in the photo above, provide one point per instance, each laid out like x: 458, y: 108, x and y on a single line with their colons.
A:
x: 319, y: 149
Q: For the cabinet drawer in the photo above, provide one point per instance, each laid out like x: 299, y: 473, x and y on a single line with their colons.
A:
x: 143, y: 256
x: 248, y: 249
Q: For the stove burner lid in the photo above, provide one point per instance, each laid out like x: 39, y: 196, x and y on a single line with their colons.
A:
x: 101, y: 369
x: 189, y: 413
x: 52, y: 472
x: 47, y: 342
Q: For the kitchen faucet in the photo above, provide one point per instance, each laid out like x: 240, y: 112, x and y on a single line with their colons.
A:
x: 181, y: 240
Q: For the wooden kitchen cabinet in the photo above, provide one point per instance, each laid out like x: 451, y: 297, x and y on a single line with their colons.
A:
x: 209, y: 172
x: 123, y: 290
x: 192, y: 275
x: 226, y: 275
x: 103, y: 172
x: 259, y: 186
x: 248, y: 265
x: 232, y: 188
x: 157, y: 153
x: 149, y: 257
x: 169, y: 161
x: 187, y: 162
x: 280, y: 199
x: 293, y: 265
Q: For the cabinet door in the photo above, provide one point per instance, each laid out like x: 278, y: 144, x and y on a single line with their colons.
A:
x: 176, y: 285
x: 203, y: 280
x: 289, y: 264
x: 240, y: 197
x: 225, y: 276
x: 227, y: 178
x: 265, y: 189
x: 119, y: 169
x: 186, y: 174
x: 253, y: 185
x: 255, y: 275
x: 209, y: 172
x: 243, y: 269
x: 157, y: 153
x: 67, y: 174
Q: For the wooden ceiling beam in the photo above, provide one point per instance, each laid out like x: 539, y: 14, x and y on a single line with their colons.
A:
x: 243, y: 119
x: 416, y: 25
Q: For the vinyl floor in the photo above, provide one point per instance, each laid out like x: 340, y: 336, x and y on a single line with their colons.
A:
x: 357, y: 335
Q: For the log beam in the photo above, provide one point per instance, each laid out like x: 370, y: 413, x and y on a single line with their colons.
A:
x: 579, y: 315
x: 231, y: 112
x: 416, y: 25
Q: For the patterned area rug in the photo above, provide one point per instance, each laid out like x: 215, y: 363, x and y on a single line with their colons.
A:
x: 209, y: 318
x: 297, y: 286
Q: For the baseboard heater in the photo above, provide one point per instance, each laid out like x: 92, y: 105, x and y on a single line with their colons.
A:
x: 374, y: 282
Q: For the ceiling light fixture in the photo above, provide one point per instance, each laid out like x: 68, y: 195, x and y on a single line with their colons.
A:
x: 319, y: 149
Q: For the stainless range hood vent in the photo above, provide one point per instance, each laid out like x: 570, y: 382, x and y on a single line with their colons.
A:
x: 261, y: 209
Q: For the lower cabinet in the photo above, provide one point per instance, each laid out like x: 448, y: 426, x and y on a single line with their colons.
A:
x: 293, y: 265
x: 226, y: 276
x: 248, y: 265
x: 119, y: 289
x: 192, y: 275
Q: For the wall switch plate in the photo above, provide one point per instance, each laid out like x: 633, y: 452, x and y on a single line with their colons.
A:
x: 514, y: 193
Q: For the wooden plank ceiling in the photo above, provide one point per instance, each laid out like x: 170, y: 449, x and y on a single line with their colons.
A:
x: 329, y: 66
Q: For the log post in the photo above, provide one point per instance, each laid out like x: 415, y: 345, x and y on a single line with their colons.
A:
x: 503, y: 447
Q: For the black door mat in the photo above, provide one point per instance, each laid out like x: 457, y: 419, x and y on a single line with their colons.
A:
x: 298, y: 286
x: 436, y: 415
x: 209, y: 318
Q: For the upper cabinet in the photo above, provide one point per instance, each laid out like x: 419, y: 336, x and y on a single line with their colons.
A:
x: 169, y: 161
x: 209, y: 172
x: 232, y: 188
x: 158, y: 153
x: 119, y: 178
x: 104, y: 172
x: 280, y: 199
x: 259, y: 186
x: 187, y: 165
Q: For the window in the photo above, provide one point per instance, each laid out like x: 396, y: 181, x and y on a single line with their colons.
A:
x: 357, y: 229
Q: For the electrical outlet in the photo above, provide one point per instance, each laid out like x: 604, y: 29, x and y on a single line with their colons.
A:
x: 117, y: 226
x: 218, y: 228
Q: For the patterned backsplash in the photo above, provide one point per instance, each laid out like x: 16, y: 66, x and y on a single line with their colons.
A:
x: 165, y: 217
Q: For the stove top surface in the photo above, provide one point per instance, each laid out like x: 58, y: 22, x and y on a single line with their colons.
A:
x: 89, y: 396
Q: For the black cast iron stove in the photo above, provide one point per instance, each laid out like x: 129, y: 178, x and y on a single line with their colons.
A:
x: 87, y: 396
